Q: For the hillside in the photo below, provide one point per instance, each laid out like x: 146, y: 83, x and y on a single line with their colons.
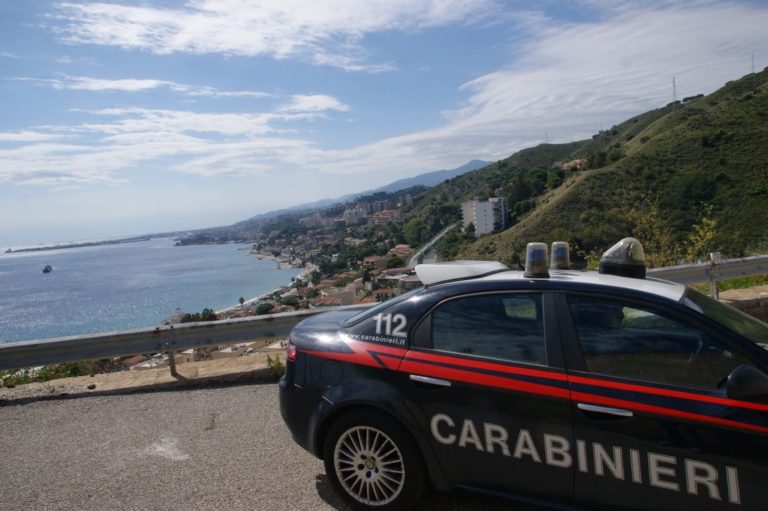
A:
x: 440, y: 206
x: 685, y: 179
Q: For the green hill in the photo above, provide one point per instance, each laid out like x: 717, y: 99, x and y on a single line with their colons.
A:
x: 685, y: 179
x: 440, y: 206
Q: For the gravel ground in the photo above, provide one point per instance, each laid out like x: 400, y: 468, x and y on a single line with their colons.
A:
x: 210, y: 448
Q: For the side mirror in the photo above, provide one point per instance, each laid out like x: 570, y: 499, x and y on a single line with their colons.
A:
x: 747, y: 383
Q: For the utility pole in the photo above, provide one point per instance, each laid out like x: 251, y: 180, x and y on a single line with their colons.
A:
x: 674, y: 90
x: 753, y: 63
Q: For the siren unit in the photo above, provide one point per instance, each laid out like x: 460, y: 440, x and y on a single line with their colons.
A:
x: 626, y: 258
x: 561, y: 257
x: 536, y: 260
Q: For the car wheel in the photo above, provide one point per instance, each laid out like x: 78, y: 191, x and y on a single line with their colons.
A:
x: 372, y: 462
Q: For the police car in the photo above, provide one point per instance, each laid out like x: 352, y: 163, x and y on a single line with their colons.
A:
x: 586, y: 390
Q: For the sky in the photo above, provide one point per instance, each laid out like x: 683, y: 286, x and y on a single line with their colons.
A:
x: 120, y: 117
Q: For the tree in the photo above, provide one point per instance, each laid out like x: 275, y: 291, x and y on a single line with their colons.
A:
x: 555, y: 177
x: 242, y: 301
x: 700, y: 240
x: 650, y: 226
x: 415, y: 232
x: 395, y: 261
x: 206, y: 315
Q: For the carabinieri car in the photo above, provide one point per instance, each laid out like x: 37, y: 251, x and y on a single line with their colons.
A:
x: 571, y: 389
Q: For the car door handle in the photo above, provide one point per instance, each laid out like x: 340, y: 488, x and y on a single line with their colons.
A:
x: 432, y: 381
x: 618, y: 412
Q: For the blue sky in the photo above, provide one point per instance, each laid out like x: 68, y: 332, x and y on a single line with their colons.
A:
x: 122, y: 118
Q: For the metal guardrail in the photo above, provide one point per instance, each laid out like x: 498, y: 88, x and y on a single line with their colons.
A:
x: 413, y: 261
x: 713, y: 271
x: 181, y: 337
x: 163, y: 339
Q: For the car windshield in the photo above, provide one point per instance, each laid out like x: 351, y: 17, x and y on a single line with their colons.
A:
x: 368, y: 312
x: 733, y: 319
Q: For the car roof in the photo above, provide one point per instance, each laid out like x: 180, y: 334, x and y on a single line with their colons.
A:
x: 573, y: 279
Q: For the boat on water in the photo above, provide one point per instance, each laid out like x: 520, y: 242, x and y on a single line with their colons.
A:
x: 48, y: 268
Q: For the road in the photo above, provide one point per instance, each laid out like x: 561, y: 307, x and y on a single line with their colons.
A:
x: 428, y: 247
x: 212, y: 448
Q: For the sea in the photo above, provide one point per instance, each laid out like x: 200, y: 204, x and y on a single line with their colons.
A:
x: 108, y: 288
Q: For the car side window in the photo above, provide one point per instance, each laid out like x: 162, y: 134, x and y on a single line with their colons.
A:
x: 506, y: 326
x: 626, y: 340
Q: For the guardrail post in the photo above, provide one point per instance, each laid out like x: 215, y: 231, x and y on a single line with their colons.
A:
x: 172, y: 363
x: 714, y: 284
x: 171, y: 353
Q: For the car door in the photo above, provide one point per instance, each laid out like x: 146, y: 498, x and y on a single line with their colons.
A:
x: 653, y: 426
x: 488, y: 388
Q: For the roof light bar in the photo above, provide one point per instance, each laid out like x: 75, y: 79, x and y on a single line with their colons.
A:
x: 561, y: 257
x: 536, y: 260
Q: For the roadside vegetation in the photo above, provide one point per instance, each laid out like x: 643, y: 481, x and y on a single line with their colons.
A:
x: 11, y: 378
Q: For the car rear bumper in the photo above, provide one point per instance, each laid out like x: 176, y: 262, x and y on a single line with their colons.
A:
x: 296, y: 407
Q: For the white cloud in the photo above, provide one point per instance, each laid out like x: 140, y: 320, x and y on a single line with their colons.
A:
x: 571, y: 76
x: 567, y: 81
x: 26, y: 136
x: 324, y: 33
x: 66, y: 60
x: 136, y: 120
x: 570, y: 81
x: 200, y: 143
x: 314, y: 103
x: 86, y: 83
x: 8, y: 55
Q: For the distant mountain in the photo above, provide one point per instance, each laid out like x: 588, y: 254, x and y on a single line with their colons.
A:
x: 428, y: 179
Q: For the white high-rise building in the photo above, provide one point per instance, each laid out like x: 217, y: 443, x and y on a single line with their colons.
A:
x: 486, y: 215
x: 479, y: 213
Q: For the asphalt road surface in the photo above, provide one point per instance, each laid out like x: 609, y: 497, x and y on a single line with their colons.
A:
x: 222, y: 448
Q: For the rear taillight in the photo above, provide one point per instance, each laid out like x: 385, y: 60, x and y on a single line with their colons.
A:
x: 291, y: 351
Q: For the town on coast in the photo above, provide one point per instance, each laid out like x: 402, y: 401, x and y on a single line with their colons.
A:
x: 350, y: 253
x: 309, y: 290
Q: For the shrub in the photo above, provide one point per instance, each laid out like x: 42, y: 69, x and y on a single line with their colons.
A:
x: 292, y: 301
x: 264, y: 308
x: 276, y: 365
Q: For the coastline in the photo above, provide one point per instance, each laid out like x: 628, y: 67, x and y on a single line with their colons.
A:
x: 127, y: 286
x: 248, y: 304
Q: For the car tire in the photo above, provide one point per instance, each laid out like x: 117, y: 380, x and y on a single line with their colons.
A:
x: 372, y: 462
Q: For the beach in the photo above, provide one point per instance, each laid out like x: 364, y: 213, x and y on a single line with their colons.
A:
x: 252, y: 303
